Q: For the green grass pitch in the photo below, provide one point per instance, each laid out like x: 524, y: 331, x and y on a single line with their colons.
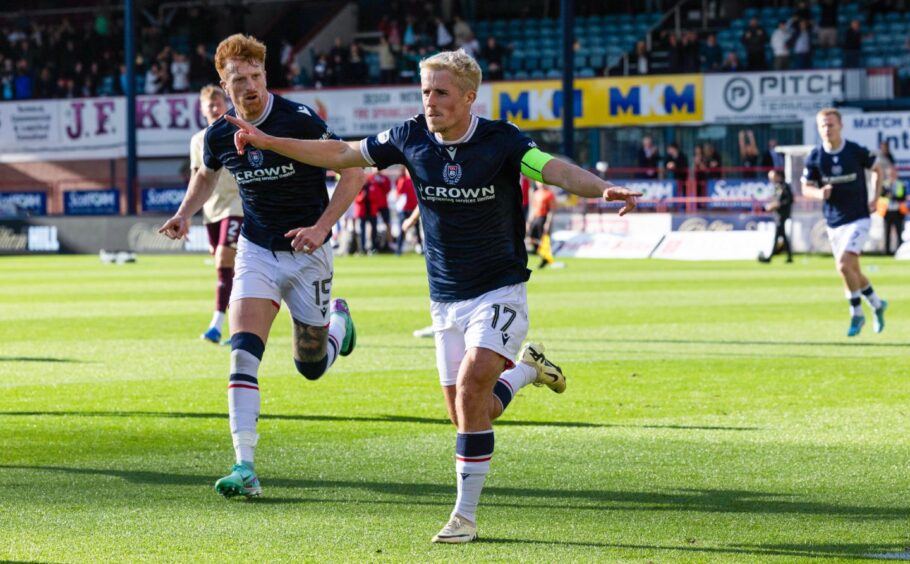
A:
x: 715, y: 412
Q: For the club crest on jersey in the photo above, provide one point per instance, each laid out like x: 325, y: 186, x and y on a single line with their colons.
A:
x: 452, y: 173
x: 255, y: 157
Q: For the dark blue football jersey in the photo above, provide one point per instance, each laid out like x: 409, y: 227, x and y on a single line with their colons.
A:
x: 470, y: 202
x: 278, y: 193
x: 845, y: 170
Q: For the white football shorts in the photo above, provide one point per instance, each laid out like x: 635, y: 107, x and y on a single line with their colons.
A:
x: 303, y: 281
x: 849, y: 237
x: 497, y: 320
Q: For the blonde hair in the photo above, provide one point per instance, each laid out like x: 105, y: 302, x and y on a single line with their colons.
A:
x: 829, y: 112
x: 210, y: 91
x: 238, y: 46
x: 463, y: 67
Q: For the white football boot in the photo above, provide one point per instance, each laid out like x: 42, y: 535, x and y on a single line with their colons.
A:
x: 457, y: 530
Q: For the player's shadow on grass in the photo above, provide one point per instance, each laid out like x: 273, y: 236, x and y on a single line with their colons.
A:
x: 374, y: 419
x: 676, y: 501
x: 851, y: 550
x: 298, y: 417
x: 38, y: 359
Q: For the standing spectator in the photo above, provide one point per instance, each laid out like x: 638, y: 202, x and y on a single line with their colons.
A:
x: 677, y: 165
x: 782, y: 204
x: 748, y: 153
x: 323, y: 74
x: 780, y: 40
x: 648, y: 158
x: 731, y: 63
x: 827, y: 24
x: 853, y: 43
x: 410, y: 38
x: 754, y: 40
x: 462, y: 31
x: 494, y: 55
x: 153, y: 79
x: 380, y: 187
x: 444, y: 39
x: 338, y: 56
x: 406, y: 203
x: 407, y: 64
x: 711, y: 55
x: 712, y: 162
x: 894, y: 194
x: 674, y: 53
x: 387, y: 62
x: 45, y: 86
x: 701, y: 171
x: 355, y: 68
x: 885, y: 159
x: 639, y: 63
x: 295, y: 76
x: 22, y: 85
x: 471, y: 46
x: 366, y: 216
x: 201, y: 66
x: 802, y: 46
x: 771, y: 158
x: 690, y: 47
x: 180, y: 71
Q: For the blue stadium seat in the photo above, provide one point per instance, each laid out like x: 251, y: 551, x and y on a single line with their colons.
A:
x: 581, y: 61
x: 586, y: 73
x: 537, y: 75
x: 555, y: 73
x: 875, y: 61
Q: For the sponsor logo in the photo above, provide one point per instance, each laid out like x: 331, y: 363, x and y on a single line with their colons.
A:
x: 457, y: 195
x: 34, y: 203
x: 543, y: 104
x: 12, y: 241
x: 91, y: 202
x: 738, y: 94
x: 255, y: 157
x: 264, y: 174
x: 452, y: 173
x: 656, y: 100
x: 165, y: 200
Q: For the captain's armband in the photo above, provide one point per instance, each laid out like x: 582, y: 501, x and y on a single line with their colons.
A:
x: 532, y: 163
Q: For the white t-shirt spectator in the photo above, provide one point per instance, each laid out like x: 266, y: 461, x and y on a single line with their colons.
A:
x: 779, y: 42
x: 180, y: 71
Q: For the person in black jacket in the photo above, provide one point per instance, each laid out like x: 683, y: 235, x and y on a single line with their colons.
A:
x: 782, y: 204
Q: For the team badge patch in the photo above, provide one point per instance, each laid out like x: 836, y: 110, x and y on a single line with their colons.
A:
x: 452, y: 173
x: 255, y: 157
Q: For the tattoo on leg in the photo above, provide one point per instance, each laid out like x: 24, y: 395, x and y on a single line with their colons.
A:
x: 309, y: 342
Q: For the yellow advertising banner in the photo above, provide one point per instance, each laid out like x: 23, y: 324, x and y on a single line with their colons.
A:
x: 602, y: 102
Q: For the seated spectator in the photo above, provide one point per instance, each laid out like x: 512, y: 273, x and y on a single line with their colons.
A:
x: 731, y: 63
x: 22, y: 84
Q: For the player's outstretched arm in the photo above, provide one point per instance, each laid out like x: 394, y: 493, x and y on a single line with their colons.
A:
x: 324, y: 153
x: 581, y: 182
x: 812, y: 191
x: 308, y: 239
x: 202, y: 184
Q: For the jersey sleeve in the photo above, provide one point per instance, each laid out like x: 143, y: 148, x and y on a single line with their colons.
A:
x: 811, y: 173
x: 308, y: 124
x: 522, y: 153
x: 866, y: 157
x: 209, y: 160
x: 196, y: 150
x: 387, y: 147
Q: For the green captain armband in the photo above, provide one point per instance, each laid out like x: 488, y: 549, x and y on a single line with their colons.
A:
x: 533, y: 162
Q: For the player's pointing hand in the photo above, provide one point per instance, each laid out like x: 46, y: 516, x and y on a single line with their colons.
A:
x: 618, y: 193
x: 246, y: 134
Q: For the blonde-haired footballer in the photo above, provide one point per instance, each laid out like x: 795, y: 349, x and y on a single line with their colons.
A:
x: 466, y: 173
x: 835, y: 172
